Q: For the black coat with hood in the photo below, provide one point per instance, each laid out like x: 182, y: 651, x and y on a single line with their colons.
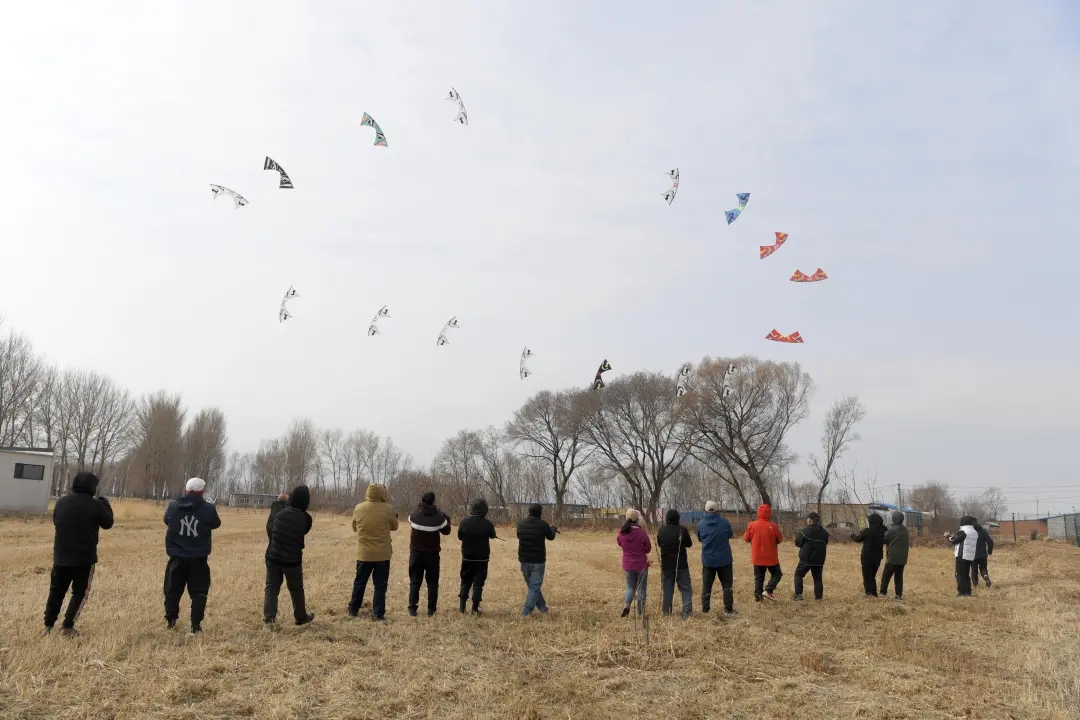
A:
x: 291, y: 524
x: 813, y: 542
x: 190, y: 520
x: 897, y: 540
x: 673, y: 539
x: 476, y: 532
x: 533, y: 533
x: 872, y: 539
x: 985, y: 545
x: 429, y: 524
x: 77, y: 518
x: 275, y: 507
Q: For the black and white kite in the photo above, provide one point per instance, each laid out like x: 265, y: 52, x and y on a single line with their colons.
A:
x: 462, y: 116
x: 727, y: 379
x: 451, y: 323
x: 286, y: 183
x: 373, y: 328
x: 683, y: 383
x: 283, y: 313
x: 669, y: 195
x: 523, y: 371
x: 598, y: 382
x: 237, y: 198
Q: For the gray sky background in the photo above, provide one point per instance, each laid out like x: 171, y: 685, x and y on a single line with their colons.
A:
x: 924, y: 154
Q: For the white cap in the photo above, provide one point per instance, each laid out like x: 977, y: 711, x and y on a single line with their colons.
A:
x: 195, y: 485
x: 711, y: 506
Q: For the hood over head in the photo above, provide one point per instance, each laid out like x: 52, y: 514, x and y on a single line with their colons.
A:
x: 672, y: 517
x: 876, y: 520
x: 478, y: 507
x: 764, y: 512
x: 535, y: 510
x: 300, y: 497
x: 377, y: 493
x: 85, y: 482
x: 897, y: 517
x: 967, y: 520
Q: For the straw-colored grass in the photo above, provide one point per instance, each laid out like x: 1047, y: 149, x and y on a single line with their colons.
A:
x: 1010, y: 652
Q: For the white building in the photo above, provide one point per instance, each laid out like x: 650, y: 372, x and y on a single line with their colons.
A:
x: 25, y: 479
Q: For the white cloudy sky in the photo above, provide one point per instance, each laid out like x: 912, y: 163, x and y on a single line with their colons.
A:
x: 925, y: 154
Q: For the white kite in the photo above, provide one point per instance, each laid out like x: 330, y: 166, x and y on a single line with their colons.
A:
x: 669, y: 195
x: 238, y: 199
x: 727, y: 379
x: 373, y: 328
x: 462, y: 116
x: 451, y: 323
x: 286, y: 183
x: 684, y: 381
x: 283, y: 313
x: 523, y: 371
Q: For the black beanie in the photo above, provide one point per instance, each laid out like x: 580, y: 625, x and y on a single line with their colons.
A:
x: 535, y: 510
x: 300, y: 497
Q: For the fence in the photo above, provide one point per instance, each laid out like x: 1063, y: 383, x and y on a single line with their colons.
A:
x: 1064, y: 527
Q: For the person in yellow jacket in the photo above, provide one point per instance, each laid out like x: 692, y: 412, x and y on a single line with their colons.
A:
x: 373, y: 520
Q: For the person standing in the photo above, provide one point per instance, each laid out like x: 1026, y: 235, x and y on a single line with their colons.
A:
x: 673, y: 540
x: 715, y: 534
x: 813, y: 543
x: 190, y: 521
x: 984, y: 548
x: 475, y: 533
x: 533, y: 533
x: 896, y: 557
x: 77, y: 518
x: 285, y: 561
x: 636, y: 547
x: 277, y: 506
x: 373, y: 520
x: 428, y: 523
x: 964, y: 541
x: 764, y: 536
x: 872, y: 538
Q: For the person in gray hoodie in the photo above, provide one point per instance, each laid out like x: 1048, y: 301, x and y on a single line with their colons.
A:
x: 896, y: 555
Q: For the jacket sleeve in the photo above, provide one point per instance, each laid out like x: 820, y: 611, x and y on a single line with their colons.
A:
x: 989, y: 544
x: 889, y: 535
x: 647, y: 545
x: 446, y: 528
x: 779, y: 534
x: 749, y: 534
x: 459, y: 535
x: 549, y: 532
x: 826, y: 537
x: 105, y: 514
x: 798, y: 539
x: 307, y: 523
x: 687, y: 542
x: 354, y: 517
x: 215, y: 519
x: 859, y: 535
x: 394, y: 522
x: 169, y: 510
x: 958, y: 538
x: 491, y: 530
x: 728, y: 532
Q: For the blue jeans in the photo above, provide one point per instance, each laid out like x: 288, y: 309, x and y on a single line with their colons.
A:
x: 534, y: 578
x: 636, y: 581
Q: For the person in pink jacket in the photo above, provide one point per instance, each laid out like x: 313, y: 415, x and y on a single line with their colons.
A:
x: 636, y: 547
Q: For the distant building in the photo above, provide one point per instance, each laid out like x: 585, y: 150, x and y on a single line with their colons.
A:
x: 1022, y: 528
x: 251, y: 500
x: 25, y: 479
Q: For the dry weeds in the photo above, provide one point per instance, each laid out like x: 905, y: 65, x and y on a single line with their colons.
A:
x: 1010, y: 652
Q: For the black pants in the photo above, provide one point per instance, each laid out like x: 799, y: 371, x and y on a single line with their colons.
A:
x: 423, y: 567
x: 892, y: 571
x: 869, y: 577
x: 816, y: 570
x: 192, y: 574
x: 473, y: 575
x: 379, y: 573
x: 963, y: 576
x: 727, y: 577
x: 759, y: 579
x: 78, y: 579
x: 680, y: 578
x: 294, y: 580
x: 978, y: 565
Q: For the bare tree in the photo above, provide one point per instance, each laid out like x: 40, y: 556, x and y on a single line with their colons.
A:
x: 205, y: 447
x: 934, y: 498
x: 638, y: 430
x: 458, y: 465
x: 332, y: 446
x: 382, y: 461
x: 499, y: 467
x: 20, y: 373
x: 160, y: 441
x: 839, y: 432
x: 740, y: 436
x: 268, y: 467
x: 302, y: 453
x: 995, y: 503
x: 550, y: 427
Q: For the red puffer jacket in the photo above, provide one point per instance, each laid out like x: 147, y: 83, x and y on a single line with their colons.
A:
x: 764, y: 535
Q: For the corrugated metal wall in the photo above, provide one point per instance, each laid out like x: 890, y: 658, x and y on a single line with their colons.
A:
x: 1063, y: 527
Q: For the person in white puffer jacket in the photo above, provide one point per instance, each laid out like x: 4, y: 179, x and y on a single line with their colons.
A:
x: 965, y: 542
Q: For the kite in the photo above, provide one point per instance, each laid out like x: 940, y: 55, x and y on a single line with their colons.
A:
x: 283, y: 313
x: 777, y: 337
x: 462, y: 116
x: 727, y: 379
x: 286, y: 183
x: 373, y: 328
x: 732, y: 214
x: 522, y: 370
x: 669, y: 195
x: 451, y: 323
x: 237, y: 198
x: 818, y: 276
x: 684, y: 380
x: 598, y: 382
x: 380, y: 138
x: 767, y: 250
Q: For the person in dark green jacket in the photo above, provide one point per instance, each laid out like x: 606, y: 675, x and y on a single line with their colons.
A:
x: 896, y: 555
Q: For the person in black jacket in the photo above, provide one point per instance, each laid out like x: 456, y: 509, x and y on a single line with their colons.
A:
x: 190, y: 521
x: 673, y: 539
x: 873, y: 542
x: 812, y: 541
x: 425, y: 547
x: 275, y: 507
x: 533, y: 533
x: 77, y: 518
x: 286, y: 557
x: 984, y: 548
x: 475, y: 533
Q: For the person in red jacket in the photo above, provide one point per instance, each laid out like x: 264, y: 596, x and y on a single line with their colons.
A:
x: 764, y: 536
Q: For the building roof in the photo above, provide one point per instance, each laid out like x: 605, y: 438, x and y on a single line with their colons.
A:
x: 29, y: 450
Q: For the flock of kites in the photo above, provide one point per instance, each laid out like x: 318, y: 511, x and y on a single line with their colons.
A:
x: 598, y: 382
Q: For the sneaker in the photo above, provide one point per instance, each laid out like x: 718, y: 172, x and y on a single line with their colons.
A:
x: 353, y: 615
x: 705, y: 610
x: 170, y: 624
x: 431, y: 613
x: 195, y: 630
x: 306, y: 620
x: 797, y: 597
x: 625, y: 612
x: 899, y: 598
x: 270, y: 624
x: 987, y: 583
x: 731, y: 613
x: 770, y: 596
x: 757, y: 598
x: 69, y: 632
x: 461, y: 607
x: 378, y: 618
x: 544, y: 610
x: 46, y: 632
x: 476, y: 610
x: 412, y: 612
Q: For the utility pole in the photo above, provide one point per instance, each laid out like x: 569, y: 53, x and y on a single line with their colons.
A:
x: 1014, y: 528
x: 899, y: 497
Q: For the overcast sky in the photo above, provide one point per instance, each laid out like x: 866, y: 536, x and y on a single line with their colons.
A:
x: 925, y: 154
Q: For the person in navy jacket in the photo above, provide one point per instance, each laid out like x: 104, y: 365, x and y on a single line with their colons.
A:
x: 190, y: 521
x: 714, y: 533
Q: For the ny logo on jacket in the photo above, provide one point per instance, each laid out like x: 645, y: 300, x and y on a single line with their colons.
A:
x: 189, y: 526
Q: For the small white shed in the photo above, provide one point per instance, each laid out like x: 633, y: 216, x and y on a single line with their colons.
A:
x: 25, y: 479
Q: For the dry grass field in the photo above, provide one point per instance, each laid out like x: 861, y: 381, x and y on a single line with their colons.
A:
x: 1010, y: 652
